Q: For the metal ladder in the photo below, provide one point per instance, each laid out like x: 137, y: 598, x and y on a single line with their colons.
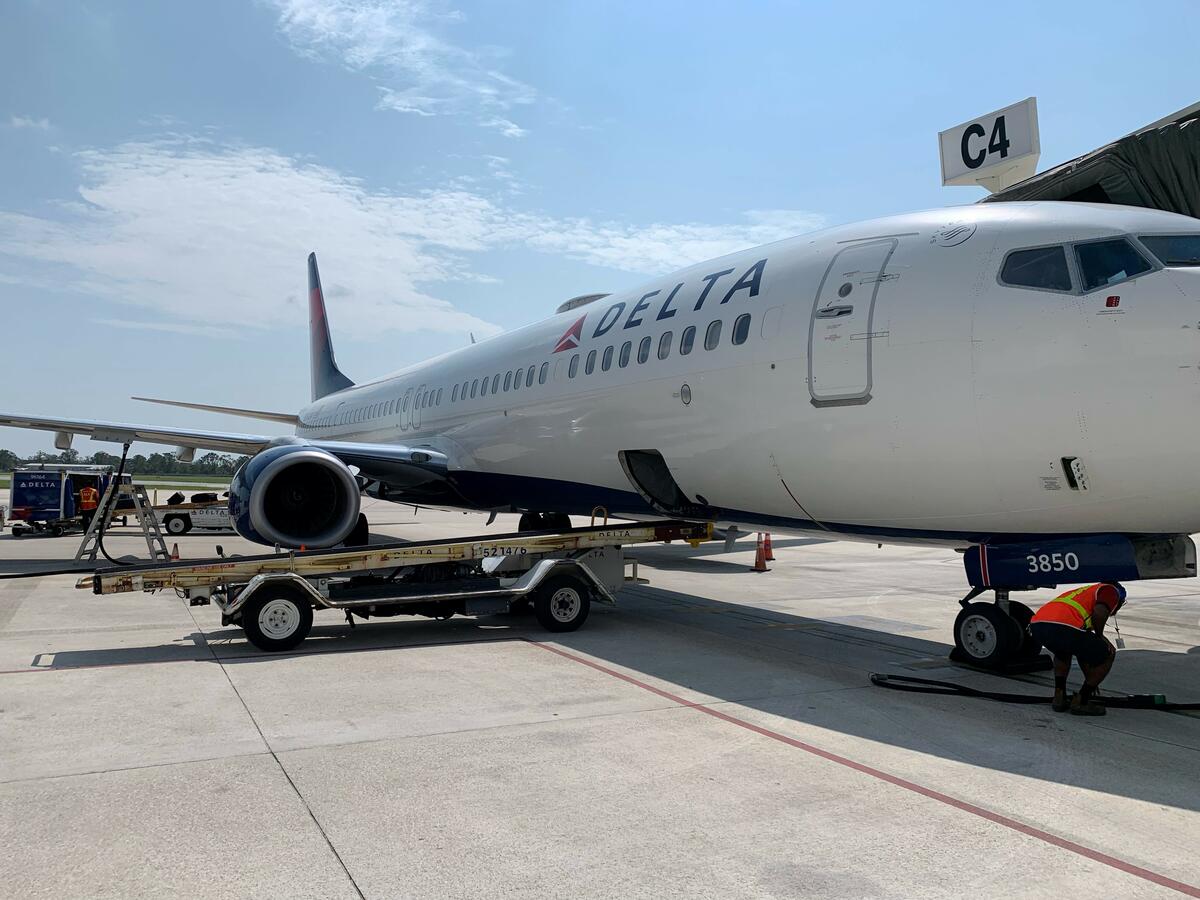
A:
x: 142, y: 511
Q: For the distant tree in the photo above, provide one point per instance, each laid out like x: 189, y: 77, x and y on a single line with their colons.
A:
x: 218, y: 464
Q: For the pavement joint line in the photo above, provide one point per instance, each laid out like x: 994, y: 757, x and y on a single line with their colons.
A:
x: 279, y: 763
x: 116, y: 769
x: 343, y: 744
x: 1047, y: 837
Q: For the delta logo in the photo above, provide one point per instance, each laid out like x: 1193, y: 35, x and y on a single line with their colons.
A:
x: 639, y: 313
x: 571, y: 337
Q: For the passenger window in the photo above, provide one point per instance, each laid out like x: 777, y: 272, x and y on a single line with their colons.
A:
x: 508, y: 380
x: 590, y: 366
x: 529, y: 377
x: 517, y: 376
x: 712, y: 336
x: 1103, y: 263
x: 686, y: 340
x: 1175, y: 250
x: 438, y: 401
x: 644, y: 348
x: 1045, y: 268
x: 495, y: 383
x: 741, y: 328
x: 573, y: 368
x: 474, y: 388
x: 606, y: 360
x: 543, y: 372
x: 664, y: 345
x: 484, y: 386
x: 626, y: 350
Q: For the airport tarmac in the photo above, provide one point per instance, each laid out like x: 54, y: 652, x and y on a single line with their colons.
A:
x: 715, y: 735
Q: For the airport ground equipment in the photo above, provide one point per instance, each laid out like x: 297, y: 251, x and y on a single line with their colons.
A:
x: 124, y: 494
x: 272, y: 597
x: 180, y: 518
x: 42, y: 496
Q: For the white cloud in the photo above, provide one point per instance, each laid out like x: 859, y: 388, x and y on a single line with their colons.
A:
x: 29, y: 122
x: 506, y: 127
x: 395, y: 42
x: 214, y: 236
x: 209, y: 234
x: 661, y: 248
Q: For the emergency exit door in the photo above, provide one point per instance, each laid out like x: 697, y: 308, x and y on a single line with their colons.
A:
x: 841, y: 330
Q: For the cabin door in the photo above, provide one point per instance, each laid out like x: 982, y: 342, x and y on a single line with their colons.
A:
x: 841, y: 328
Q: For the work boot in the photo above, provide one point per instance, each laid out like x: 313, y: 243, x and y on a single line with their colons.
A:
x: 1060, y: 703
x: 1079, y: 707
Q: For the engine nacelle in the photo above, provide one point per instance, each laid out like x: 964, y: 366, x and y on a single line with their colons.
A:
x: 294, y: 495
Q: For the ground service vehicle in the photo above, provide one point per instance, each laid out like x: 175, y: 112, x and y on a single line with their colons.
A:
x: 273, y: 596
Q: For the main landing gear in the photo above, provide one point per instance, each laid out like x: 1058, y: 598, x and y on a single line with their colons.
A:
x: 532, y: 521
x: 996, y: 635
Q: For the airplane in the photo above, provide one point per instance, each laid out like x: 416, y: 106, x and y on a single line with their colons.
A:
x: 1015, y: 380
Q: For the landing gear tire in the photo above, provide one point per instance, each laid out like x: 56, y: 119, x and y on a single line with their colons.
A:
x: 556, y: 521
x: 986, y: 635
x: 1030, y: 646
x: 276, y: 620
x: 562, y: 603
x: 360, y: 535
x: 530, y: 522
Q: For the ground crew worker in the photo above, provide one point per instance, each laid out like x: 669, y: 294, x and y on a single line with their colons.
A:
x: 1072, y: 625
x: 89, y: 499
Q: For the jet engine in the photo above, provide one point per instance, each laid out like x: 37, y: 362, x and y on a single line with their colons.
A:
x: 294, y: 495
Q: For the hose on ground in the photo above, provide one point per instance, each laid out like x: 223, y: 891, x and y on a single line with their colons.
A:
x: 915, y: 685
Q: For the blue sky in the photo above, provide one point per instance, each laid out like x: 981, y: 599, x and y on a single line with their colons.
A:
x: 466, y: 167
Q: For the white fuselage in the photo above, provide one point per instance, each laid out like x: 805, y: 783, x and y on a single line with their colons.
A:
x: 889, y: 385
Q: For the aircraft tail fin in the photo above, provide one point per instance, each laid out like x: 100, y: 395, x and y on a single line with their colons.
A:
x: 327, y: 378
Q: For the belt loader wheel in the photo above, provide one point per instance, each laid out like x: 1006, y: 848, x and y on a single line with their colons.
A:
x: 562, y: 603
x: 277, y: 618
x: 987, y: 635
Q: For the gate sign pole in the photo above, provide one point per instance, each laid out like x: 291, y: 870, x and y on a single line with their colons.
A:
x: 994, y: 151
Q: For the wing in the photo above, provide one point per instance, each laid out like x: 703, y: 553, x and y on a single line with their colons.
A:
x: 402, y: 466
x: 260, y: 414
x: 124, y: 432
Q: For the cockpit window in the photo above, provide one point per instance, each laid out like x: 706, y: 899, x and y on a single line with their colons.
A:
x: 1043, y: 267
x: 1103, y: 263
x: 1175, y: 249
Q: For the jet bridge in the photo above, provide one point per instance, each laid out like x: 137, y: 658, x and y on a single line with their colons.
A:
x: 1157, y: 167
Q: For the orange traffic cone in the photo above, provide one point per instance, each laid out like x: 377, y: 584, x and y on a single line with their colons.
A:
x: 760, y: 557
x: 768, y: 554
x: 175, y: 550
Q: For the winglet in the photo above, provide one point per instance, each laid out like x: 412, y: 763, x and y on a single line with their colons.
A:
x: 327, y: 378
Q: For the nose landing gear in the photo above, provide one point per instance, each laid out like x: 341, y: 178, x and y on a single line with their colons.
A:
x: 996, y: 635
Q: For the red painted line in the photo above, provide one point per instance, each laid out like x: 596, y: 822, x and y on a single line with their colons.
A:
x: 1020, y: 827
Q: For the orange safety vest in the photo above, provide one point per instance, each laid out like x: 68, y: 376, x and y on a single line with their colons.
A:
x: 89, y: 498
x: 1075, y: 608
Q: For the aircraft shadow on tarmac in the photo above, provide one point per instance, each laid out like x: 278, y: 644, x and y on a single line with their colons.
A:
x: 803, y: 670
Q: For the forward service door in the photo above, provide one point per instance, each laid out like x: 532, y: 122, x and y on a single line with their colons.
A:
x: 841, y: 330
